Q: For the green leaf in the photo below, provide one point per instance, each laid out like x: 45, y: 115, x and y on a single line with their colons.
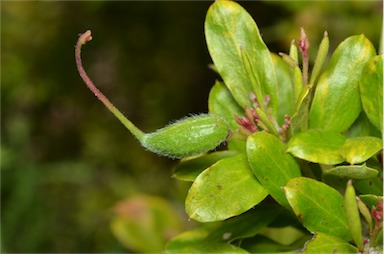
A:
x: 238, y: 227
x: 317, y: 146
x: 270, y: 163
x: 286, y: 99
x: 299, y: 120
x: 370, y: 200
x: 365, y: 212
x: 188, y: 169
x: 370, y: 186
x: 226, y: 189
x: 194, y: 242
x: 320, y: 58
x: 222, y: 103
x: 353, y: 216
x: 360, y: 149
x: 284, y: 235
x: 318, y: 206
x: 371, y: 90
x: 325, y: 244
x: 187, y: 238
x: 336, y: 103
x: 353, y: 172
x: 363, y: 127
x: 262, y: 244
x: 228, y: 27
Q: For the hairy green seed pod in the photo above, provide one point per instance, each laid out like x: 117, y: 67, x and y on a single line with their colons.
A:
x: 187, y: 137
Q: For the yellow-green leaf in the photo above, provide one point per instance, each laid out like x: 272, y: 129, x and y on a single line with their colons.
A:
x: 317, y: 146
x: 353, y: 216
x: 336, y: 103
x: 360, y: 149
x: 226, y: 189
x: 271, y: 164
x: 325, y: 244
x: 229, y: 29
x: 353, y: 172
x: 318, y: 206
x: 371, y: 90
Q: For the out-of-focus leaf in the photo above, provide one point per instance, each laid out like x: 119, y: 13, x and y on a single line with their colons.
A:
x: 318, y: 206
x: 229, y: 31
x: 353, y: 216
x: 262, y: 244
x: 353, y: 172
x: 145, y: 223
x: 238, y: 227
x: 370, y: 186
x: 188, y: 238
x: 286, y: 98
x: 226, y: 231
x: 188, y: 169
x: 299, y: 120
x: 325, y: 244
x: 222, y: 103
x: 370, y: 200
x: 237, y: 142
x: 317, y: 146
x: 284, y: 235
x: 320, y: 58
x: 360, y: 149
x: 336, y: 103
x: 226, y: 189
x: 371, y: 90
x: 365, y: 212
x: 363, y: 127
x: 194, y: 242
x: 271, y: 164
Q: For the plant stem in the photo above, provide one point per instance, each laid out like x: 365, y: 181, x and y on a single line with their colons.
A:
x: 84, y: 38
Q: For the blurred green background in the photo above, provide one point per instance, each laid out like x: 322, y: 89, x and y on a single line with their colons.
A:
x: 66, y: 161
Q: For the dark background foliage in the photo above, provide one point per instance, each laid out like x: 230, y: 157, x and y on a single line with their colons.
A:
x: 65, y: 160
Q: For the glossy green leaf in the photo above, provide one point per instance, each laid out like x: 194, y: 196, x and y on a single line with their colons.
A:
x: 353, y: 172
x: 353, y: 216
x: 360, y: 149
x: 318, y: 206
x: 229, y: 30
x: 222, y: 103
x: 286, y: 97
x: 226, y: 189
x: 317, y: 146
x: 336, y: 103
x: 271, y: 164
x: 188, y: 169
x: 371, y: 90
x: 325, y: 244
